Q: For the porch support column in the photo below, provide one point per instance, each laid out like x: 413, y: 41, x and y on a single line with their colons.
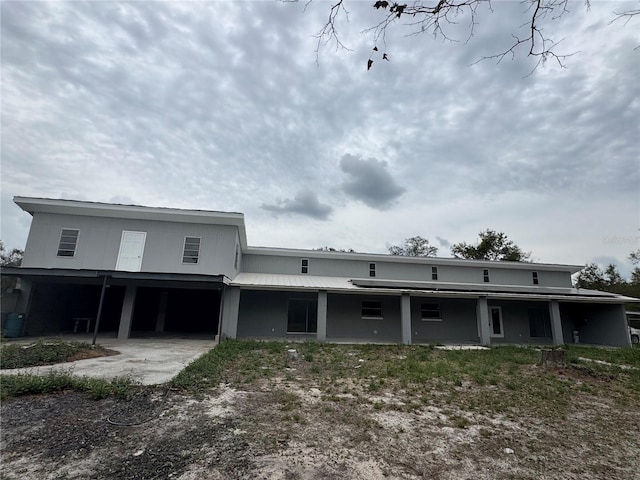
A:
x: 162, y: 311
x: 230, y: 311
x: 321, y: 335
x: 622, y: 321
x: 126, y: 316
x: 405, y: 316
x: 482, y: 315
x: 556, y: 323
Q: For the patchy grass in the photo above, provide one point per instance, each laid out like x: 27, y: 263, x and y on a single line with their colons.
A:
x: 502, y: 380
x: 232, y: 361
x: 60, y: 381
x: 47, y: 352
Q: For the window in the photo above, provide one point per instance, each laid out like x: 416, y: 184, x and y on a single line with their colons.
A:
x: 372, y: 269
x: 539, y: 323
x: 68, y: 242
x: 191, y: 250
x: 371, y: 309
x: 534, y: 276
x: 304, y: 265
x: 485, y: 273
x: 434, y: 273
x: 430, y: 312
x: 235, y: 262
x: 303, y: 316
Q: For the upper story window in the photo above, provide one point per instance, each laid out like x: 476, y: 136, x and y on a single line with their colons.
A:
x: 534, y: 277
x: 371, y: 309
x: 430, y: 311
x: 191, y: 252
x: 485, y: 274
x: 304, y: 265
x: 235, y: 262
x: 434, y: 273
x: 372, y: 269
x: 68, y: 242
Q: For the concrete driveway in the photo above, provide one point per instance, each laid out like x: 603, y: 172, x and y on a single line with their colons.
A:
x: 148, y: 361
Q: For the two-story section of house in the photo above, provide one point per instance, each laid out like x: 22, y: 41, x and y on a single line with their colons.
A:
x: 142, y: 269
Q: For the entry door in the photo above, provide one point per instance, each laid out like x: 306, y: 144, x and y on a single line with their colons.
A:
x: 131, y: 250
x: 495, y: 322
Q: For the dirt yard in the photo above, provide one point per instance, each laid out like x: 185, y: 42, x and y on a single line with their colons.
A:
x: 338, y: 413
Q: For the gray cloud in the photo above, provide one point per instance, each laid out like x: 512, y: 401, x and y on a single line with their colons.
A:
x: 443, y: 242
x: 304, y: 203
x: 188, y: 104
x: 370, y: 181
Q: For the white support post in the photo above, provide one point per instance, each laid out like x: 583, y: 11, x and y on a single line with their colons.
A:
x: 556, y: 323
x: 405, y: 315
x: 321, y: 334
x: 482, y: 315
x: 230, y: 311
x: 126, y: 316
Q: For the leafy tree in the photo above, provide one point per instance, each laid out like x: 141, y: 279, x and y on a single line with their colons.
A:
x: 591, y: 277
x: 635, y: 273
x: 492, y: 246
x: 414, y: 247
x: 436, y: 17
x: 331, y: 249
x: 612, y: 276
x: 12, y: 258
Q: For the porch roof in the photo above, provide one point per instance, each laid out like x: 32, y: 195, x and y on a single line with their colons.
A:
x: 34, y: 273
x: 266, y: 281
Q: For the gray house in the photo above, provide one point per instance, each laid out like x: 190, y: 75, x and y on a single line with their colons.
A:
x: 191, y: 271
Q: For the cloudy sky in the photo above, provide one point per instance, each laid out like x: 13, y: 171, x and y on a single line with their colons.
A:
x: 226, y: 106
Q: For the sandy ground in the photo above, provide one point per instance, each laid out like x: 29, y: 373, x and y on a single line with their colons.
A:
x: 288, y: 427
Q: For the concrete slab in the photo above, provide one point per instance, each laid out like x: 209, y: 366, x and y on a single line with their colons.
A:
x: 148, y: 361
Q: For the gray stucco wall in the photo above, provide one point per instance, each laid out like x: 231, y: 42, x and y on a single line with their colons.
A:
x: 344, y: 318
x: 400, y: 271
x: 596, y: 324
x: 99, y: 243
x: 458, y: 324
x: 264, y: 314
x: 515, y: 321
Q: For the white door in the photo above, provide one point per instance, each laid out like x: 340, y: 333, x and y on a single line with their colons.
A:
x: 495, y: 322
x: 131, y: 249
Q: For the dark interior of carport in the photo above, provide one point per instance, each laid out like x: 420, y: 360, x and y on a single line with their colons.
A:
x: 56, y: 304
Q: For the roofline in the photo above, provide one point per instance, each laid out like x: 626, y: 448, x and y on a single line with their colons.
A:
x: 435, y: 261
x: 32, y: 205
x: 448, y: 294
x: 67, y: 273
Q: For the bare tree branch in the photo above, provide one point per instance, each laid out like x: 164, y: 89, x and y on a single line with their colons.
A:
x: 433, y: 16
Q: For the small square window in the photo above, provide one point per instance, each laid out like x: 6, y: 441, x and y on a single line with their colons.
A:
x: 430, y: 312
x: 534, y: 276
x: 434, y: 273
x: 191, y: 251
x: 371, y: 309
x: 68, y: 242
x: 485, y: 273
x: 372, y: 269
x: 304, y: 265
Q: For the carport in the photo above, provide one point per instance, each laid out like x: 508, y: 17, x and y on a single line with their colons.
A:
x: 58, y: 301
